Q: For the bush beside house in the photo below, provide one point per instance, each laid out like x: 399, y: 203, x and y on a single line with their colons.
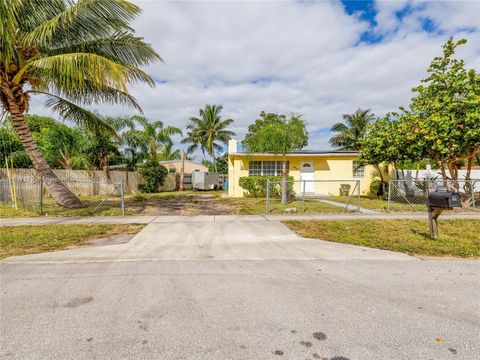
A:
x: 257, y: 186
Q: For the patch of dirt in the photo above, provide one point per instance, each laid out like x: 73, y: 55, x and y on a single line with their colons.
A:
x: 181, y: 205
x: 278, y: 352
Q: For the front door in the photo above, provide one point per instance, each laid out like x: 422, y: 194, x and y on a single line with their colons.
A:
x: 307, y: 175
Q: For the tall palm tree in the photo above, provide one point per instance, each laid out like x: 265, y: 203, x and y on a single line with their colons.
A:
x: 350, y: 133
x: 209, y: 130
x: 74, y: 53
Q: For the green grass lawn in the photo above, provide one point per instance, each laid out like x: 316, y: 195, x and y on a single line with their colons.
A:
x: 256, y: 206
x: 380, y: 204
x: 172, y: 203
x: 23, y: 240
x: 457, y: 237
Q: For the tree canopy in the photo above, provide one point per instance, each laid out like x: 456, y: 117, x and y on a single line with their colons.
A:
x: 350, y: 133
x: 276, y: 133
x: 208, y: 131
x: 442, y: 122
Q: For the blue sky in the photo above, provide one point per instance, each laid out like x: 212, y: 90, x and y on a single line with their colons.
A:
x: 317, y: 58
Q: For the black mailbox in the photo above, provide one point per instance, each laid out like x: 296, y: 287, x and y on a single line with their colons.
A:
x: 444, y: 199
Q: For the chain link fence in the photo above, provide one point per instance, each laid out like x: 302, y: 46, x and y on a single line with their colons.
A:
x: 31, y: 194
x: 413, y: 194
x: 313, y: 196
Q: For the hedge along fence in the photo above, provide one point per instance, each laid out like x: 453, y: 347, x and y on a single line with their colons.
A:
x: 131, y: 180
x: 257, y: 185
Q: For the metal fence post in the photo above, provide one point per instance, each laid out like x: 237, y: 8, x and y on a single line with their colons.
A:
x: 41, y: 196
x: 358, y: 184
x: 389, y: 194
x: 268, y: 197
x: 122, y: 197
x: 473, y: 194
x: 303, y: 197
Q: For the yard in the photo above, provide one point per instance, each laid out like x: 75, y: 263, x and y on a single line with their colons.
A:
x: 23, y: 240
x: 457, y: 237
x: 380, y: 204
x: 172, y: 203
x: 204, y: 203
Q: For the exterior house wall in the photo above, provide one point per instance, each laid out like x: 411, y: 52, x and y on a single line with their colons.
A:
x: 190, y: 166
x: 338, y: 168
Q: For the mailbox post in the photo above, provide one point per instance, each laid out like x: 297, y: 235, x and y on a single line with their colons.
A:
x: 438, y: 201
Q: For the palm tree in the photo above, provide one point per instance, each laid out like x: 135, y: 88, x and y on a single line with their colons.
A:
x: 167, y: 152
x: 74, y: 53
x: 195, y: 138
x: 208, y: 130
x: 351, y: 133
x: 155, y: 133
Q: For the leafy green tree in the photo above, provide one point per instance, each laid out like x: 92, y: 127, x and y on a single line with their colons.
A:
x: 60, y: 145
x: 12, y: 151
x: 74, y: 53
x: 444, y: 116
x: 277, y: 134
x: 208, y: 131
x: 153, y: 174
x: 102, y: 151
x: 221, y: 164
x: 350, y: 133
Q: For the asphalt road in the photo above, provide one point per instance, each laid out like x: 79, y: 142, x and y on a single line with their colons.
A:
x: 328, y: 301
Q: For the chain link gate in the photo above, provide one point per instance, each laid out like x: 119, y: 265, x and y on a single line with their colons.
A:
x: 308, y: 195
x: 412, y: 194
x: 96, y: 197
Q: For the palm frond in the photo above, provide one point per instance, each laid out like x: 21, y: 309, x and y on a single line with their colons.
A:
x: 88, y: 95
x: 122, y: 47
x: 66, y: 71
x: 80, y: 116
x: 82, y: 21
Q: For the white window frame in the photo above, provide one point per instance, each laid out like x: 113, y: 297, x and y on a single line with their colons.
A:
x: 358, y: 173
x: 277, y: 168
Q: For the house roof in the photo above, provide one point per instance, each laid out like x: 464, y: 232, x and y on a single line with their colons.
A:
x: 304, y: 153
x: 179, y: 161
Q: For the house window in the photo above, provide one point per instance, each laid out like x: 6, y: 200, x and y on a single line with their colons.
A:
x: 268, y: 168
x: 272, y: 168
x: 358, y: 171
x: 172, y: 170
x: 255, y: 168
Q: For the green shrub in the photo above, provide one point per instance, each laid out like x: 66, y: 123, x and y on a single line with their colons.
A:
x: 257, y: 186
x: 345, y: 189
x: 377, y: 188
x: 153, y: 175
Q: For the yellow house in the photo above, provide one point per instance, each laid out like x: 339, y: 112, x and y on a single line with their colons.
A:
x: 320, y: 173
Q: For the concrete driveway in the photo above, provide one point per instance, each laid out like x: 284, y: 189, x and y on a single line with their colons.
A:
x: 202, y: 239
x: 237, y: 289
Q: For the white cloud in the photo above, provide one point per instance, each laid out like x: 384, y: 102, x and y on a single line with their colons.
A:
x: 291, y: 57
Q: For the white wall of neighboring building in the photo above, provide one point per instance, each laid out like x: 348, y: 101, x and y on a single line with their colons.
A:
x: 422, y: 174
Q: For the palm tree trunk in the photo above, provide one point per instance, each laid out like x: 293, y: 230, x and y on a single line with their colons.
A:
x: 284, y: 182
x: 214, y: 162
x: 62, y: 195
